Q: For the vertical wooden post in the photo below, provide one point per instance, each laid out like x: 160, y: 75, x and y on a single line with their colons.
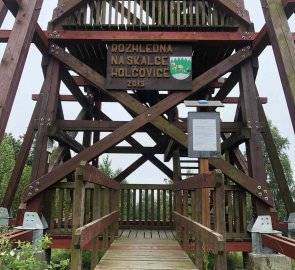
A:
x: 96, y: 215
x: 204, y: 167
x: 198, y: 217
x: 251, y: 119
x: 185, y: 213
x: 176, y: 178
x: 219, y: 218
x: 78, y: 218
x: 106, y: 209
x: 112, y: 202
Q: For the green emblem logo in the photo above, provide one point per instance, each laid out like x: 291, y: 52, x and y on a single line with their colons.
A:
x: 180, y: 67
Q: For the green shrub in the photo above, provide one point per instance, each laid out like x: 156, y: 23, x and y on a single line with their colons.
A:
x: 23, y: 257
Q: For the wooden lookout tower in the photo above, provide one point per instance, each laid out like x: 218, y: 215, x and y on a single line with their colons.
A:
x: 150, y: 57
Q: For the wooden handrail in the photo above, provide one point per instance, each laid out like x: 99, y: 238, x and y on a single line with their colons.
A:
x: 204, y: 180
x: 142, y: 186
x: 86, y: 233
x: 214, y: 240
x: 91, y: 174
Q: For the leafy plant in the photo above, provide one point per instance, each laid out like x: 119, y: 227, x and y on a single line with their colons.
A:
x: 25, y: 255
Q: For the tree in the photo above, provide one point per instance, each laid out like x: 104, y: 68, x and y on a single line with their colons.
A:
x: 282, y: 145
x: 106, y: 167
x: 9, y: 149
x: 7, y: 161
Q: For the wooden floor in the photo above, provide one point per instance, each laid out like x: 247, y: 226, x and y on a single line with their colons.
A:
x: 144, y: 249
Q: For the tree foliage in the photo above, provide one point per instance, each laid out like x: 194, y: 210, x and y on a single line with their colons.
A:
x: 282, y: 145
x: 9, y: 150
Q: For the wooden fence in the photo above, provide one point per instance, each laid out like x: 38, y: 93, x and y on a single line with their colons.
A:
x: 210, y: 239
x: 149, y: 14
x: 146, y: 206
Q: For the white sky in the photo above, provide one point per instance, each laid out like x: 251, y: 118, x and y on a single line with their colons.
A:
x: 268, y: 84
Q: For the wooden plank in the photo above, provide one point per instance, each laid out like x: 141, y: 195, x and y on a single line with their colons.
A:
x: 153, y: 206
x: 154, y: 254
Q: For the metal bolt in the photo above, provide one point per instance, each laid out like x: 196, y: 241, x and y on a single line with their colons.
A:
x: 266, y: 198
x: 258, y: 187
x: 30, y: 187
x: 265, y: 191
x: 259, y: 194
x: 30, y: 194
x: 149, y: 115
x: 36, y: 189
x: 37, y: 183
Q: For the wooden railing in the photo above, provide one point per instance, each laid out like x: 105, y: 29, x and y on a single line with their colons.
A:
x: 146, y: 206
x: 146, y: 14
x: 189, y: 222
x: 105, y: 216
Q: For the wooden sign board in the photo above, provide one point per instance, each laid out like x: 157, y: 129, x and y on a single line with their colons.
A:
x: 149, y: 66
x: 204, y: 134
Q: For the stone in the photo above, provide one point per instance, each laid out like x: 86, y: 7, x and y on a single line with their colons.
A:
x: 269, y: 262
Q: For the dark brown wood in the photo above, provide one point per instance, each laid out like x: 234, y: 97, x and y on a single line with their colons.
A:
x: 219, y: 218
x: 85, y: 234
x: 135, y: 165
x: 276, y: 163
x: 93, y: 175
x: 250, y: 118
x: 14, y: 57
x: 257, y: 189
x: 149, y: 115
x: 204, y: 180
x: 70, y: 36
x: 213, y: 240
x: 283, y: 47
x: 3, y: 12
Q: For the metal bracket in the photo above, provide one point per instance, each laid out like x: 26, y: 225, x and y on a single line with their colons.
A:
x: 263, y: 224
x: 33, y: 222
x: 4, y: 217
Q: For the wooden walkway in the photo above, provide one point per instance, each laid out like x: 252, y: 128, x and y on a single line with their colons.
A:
x: 144, y: 249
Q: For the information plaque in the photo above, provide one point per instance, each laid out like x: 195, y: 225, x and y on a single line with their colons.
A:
x: 204, y: 134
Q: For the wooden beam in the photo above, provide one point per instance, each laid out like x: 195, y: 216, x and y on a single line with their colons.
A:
x: 3, y: 12
x: 67, y: 36
x: 130, y: 169
x: 211, y: 239
x: 262, y: 39
x: 235, y: 10
x: 21, y: 159
x: 251, y: 185
x: 235, y: 139
x: 93, y: 175
x: 86, y: 233
x: 200, y: 181
x: 276, y: 163
x: 161, y: 166
x: 149, y: 115
x: 14, y: 57
x: 283, y: 47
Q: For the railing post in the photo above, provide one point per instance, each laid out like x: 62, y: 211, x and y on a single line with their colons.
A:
x: 185, y: 213
x: 106, y: 210
x: 198, y: 217
x: 96, y: 215
x: 78, y: 218
x: 219, y: 218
